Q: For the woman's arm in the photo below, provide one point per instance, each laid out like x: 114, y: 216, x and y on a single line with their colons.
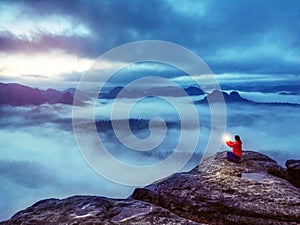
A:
x: 230, y: 143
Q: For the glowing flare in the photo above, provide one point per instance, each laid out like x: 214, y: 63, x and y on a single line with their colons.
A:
x: 226, y: 138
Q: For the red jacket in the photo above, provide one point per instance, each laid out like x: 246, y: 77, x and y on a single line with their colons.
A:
x: 236, y: 147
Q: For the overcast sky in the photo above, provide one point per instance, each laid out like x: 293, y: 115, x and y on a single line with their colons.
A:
x: 51, y: 41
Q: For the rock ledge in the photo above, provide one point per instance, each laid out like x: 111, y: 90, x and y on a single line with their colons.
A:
x: 218, y: 192
x: 215, y: 192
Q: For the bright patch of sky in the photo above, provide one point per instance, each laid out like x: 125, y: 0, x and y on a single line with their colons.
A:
x: 23, y: 26
x: 51, y: 64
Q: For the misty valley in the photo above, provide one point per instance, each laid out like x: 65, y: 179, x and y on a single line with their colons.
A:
x: 40, y: 158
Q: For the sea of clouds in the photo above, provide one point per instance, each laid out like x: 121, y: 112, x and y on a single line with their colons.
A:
x: 40, y: 159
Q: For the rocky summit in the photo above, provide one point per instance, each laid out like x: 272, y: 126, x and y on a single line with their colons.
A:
x: 253, y: 191
x: 222, y: 192
x: 95, y: 210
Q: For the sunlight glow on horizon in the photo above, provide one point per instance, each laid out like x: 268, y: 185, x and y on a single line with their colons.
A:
x: 42, y: 64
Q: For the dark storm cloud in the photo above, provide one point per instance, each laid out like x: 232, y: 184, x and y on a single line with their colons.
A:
x: 44, y: 42
x: 111, y: 24
x: 235, y: 36
x: 259, y: 37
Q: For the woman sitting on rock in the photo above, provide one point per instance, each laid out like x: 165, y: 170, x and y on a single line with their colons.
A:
x: 236, y: 146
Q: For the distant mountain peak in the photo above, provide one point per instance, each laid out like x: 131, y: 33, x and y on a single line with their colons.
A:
x: 218, y: 96
x: 154, y: 91
x: 19, y: 95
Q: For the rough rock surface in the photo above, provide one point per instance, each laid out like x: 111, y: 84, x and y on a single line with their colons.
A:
x: 215, y: 192
x: 95, y: 210
x: 222, y: 192
x: 293, y: 169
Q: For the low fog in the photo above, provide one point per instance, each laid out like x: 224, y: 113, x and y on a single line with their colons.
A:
x: 39, y: 157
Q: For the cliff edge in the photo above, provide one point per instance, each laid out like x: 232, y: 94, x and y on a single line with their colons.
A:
x: 254, y: 191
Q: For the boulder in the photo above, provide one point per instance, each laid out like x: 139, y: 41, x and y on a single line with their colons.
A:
x: 95, y: 210
x: 222, y: 192
x: 293, y: 169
